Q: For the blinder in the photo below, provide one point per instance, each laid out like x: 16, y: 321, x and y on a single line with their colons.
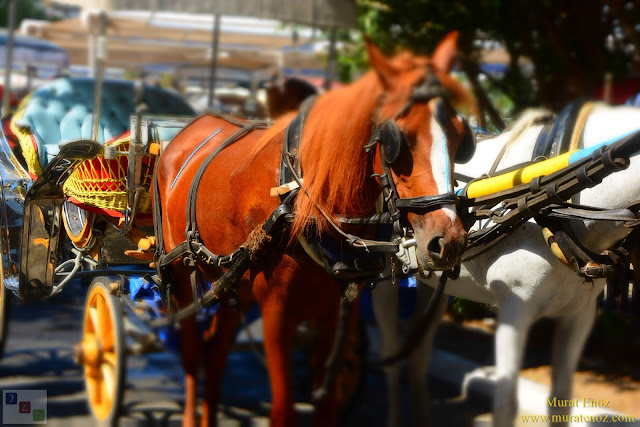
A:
x: 393, y: 142
x: 467, y: 147
x: 391, y: 139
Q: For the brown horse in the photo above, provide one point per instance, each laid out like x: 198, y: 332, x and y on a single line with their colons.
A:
x: 286, y: 95
x: 234, y: 199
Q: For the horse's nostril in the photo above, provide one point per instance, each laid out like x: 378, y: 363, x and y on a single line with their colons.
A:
x: 435, y: 245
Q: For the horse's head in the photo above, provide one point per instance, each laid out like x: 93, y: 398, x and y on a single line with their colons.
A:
x: 286, y: 95
x: 420, y: 135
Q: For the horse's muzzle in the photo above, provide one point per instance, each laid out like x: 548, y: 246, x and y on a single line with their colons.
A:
x: 442, y: 252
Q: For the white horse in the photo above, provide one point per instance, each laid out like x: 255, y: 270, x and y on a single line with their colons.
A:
x: 522, y: 277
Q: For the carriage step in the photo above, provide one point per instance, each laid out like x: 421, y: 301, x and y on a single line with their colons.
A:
x: 140, y: 255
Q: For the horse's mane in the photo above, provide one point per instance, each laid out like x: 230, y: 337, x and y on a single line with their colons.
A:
x: 334, y: 163
x: 528, y: 118
x: 336, y: 169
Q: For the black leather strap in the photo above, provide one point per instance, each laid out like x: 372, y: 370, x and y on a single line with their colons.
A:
x: 292, y: 140
x: 543, y: 143
x: 426, y: 202
x: 580, y: 212
x: 556, y: 136
x: 192, y: 223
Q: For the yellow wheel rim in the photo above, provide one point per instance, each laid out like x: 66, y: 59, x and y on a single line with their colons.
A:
x: 99, y: 353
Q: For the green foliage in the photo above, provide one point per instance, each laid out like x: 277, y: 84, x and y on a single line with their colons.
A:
x: 568, y: 41
x: 461, y: 309
x: 31, y: 9
x: 615, y: 328
x: 352, y: 58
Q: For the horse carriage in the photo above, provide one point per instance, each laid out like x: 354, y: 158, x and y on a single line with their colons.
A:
x: 66, y: 206
x: 75, y: 208
x: 257, y: 227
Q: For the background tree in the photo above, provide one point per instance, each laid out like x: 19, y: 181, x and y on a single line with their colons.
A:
x: 571, y: 43
x: 32, y: 9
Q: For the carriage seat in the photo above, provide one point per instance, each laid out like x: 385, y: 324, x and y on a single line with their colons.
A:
x: 62, y: 111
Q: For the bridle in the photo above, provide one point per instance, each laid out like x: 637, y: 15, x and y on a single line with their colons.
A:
x: 392, y: 142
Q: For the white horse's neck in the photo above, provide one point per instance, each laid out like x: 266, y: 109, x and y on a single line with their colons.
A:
x: 604, y: 123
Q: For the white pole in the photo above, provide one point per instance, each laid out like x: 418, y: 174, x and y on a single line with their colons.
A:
x: 214, y: 60
x: 100, y: 57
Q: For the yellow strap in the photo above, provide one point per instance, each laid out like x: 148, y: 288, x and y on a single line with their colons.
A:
x: 580, y: 122
x: 520, y: 176
x: 555, y: 249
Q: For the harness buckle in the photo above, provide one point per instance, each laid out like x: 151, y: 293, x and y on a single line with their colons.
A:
x: 593, y: 270
x: 407, y: 255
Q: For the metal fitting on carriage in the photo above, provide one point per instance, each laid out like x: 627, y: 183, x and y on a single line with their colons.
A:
x: 407, y: 255
x: 12, y: 282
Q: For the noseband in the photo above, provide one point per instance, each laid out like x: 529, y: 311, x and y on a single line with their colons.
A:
x: 391, y: 140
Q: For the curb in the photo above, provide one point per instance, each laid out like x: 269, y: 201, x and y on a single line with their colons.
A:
x: 478, y: 382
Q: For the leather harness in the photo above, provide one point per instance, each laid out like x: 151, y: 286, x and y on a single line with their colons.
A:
x: 193, y: 252
x: 543, y: 199
x: 556, y: 136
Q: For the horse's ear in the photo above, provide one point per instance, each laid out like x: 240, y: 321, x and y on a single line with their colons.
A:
x: 446, y: 52
x: 379, y: 62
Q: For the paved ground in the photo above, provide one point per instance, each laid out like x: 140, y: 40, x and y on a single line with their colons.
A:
x: 39, y: 356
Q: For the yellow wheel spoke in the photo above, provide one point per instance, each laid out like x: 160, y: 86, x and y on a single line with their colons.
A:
x: 107, y: 326
x: 108, y: 380
x: 96, y: 396
x: 110, y: 358
x: 100, y: 311
x: 91, y: 388
x: 93, y: 317
x: 107, y: 335
x: 101, y: 349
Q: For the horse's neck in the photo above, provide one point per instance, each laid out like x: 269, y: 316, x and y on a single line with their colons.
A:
x: 618, y: 190
x: 336, y: 167
x: 606, y: 123
x: 488, y: 150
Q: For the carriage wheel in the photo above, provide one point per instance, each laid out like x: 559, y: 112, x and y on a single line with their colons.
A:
x: 78, y: 224
x: 102, y: 351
